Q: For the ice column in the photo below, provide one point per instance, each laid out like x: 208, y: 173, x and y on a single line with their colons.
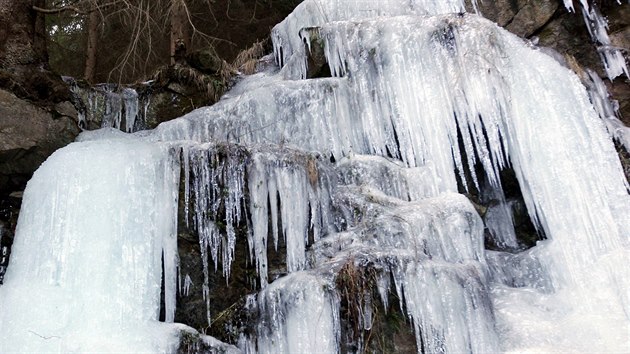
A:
x: 98, y: 223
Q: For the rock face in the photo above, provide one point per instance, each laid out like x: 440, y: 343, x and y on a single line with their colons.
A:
x: 522, y: 17
x: 28, y: 135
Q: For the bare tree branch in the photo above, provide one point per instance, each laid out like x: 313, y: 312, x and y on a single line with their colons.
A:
x: 58, y: 10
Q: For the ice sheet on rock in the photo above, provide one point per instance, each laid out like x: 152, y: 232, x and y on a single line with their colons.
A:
x: 301, y: 114
x: 499, y: 218
x: 450, y: 308
x: 290, y: 48
x: 112, y: 115
x: 433, y: 250
x: 313, y: 115
x: 297, y: 314
x: 104, y: 134
x: 111, y: 105
x: 520, y: 270
x: 500, y: 224
x: 102, y: 215
x: 389, y: 176
x: 445, y: 228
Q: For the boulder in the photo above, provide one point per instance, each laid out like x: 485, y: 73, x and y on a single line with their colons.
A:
x: 522, y: 17
x: 28, y: 135
x: 206, y: 60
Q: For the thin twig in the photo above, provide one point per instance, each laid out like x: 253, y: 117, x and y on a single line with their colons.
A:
x: 44, y: 337
x: 58, y: 10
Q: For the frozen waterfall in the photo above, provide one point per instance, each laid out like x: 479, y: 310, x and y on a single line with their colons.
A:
x: 359, y: 177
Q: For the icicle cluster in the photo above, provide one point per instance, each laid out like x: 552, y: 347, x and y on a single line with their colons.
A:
x: 607, y: 109
x: 110, y: 105
x: 611, y: 56
x: 290, y: 49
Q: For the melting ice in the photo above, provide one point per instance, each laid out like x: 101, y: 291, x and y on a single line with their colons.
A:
x: 359, y: 169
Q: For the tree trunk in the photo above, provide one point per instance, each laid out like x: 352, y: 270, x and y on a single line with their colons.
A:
x: 23, y: 55
x: 92, y: 41
x: 22, y: 35
x: 180, y: 31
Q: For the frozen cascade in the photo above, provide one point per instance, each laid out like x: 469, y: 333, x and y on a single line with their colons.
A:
x: 315, y: 13
x: 357, y: 171
x: 86, y: 266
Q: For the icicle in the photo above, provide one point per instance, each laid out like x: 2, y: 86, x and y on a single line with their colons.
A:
x: 258, y: 194
x: 612, y: 57
x: 607, y: 109
x: 113, y: 110
x: 130, y: 99
x: 289, y: 190
x: 187, y: 285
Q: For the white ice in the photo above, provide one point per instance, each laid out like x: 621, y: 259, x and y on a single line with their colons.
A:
x: 297, y: 315
x: 97, y: 222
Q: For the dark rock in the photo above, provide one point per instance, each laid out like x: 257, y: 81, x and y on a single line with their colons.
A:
x: 9, y: 211
x: 531, y: 16
x: 205, y: 60
x: 317, y: 65
x: 567, y: 34
x: 28, y: 135
x: 522, y: 17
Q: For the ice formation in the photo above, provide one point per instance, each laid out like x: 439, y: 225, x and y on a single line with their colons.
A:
x: 357, y: 171
x: 86, y: 267
x: 109, y: 104
x: 611, y: 56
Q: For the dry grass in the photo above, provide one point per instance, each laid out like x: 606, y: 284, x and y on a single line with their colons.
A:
x: 356, y: 285
x: 213, y: 86
x: 247, y: 59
